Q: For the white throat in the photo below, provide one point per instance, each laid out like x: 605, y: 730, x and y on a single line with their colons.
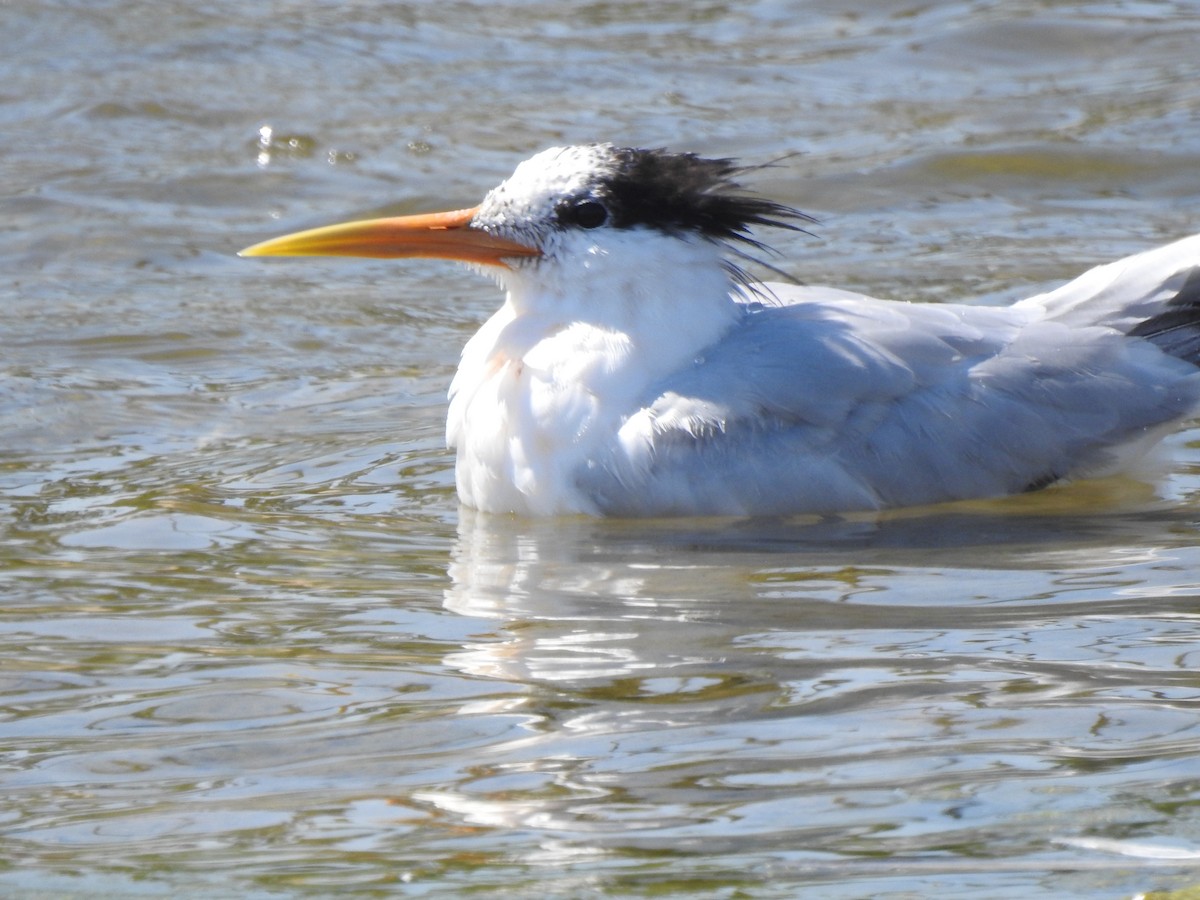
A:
x: 545, y: 385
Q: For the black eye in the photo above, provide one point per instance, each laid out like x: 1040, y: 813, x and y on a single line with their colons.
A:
x: 585, y: 214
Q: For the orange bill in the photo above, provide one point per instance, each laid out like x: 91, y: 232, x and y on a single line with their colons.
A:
x: 447, y: 235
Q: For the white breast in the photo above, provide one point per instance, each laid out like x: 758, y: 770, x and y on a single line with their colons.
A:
x: 523, y: 422
x: 547, y: 382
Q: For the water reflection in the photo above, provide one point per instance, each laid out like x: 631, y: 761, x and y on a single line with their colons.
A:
x: 966, y: 683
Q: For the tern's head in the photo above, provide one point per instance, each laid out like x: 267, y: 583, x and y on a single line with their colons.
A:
x: 564, y: 192
x: 565, y: 203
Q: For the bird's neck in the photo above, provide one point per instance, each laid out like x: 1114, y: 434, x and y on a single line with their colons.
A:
x: 546, y: 383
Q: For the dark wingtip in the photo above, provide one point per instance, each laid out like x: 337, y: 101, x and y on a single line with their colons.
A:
x: 1176, y: 330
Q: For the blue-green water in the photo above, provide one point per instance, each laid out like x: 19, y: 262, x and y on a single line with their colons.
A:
x: 250, y: 646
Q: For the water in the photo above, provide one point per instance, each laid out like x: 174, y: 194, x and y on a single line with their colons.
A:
x: 251, y: 647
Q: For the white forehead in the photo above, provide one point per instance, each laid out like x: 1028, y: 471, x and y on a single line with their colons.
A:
x: 535, y: 187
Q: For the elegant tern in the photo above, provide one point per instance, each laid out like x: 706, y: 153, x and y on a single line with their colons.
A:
x: 635, y: 370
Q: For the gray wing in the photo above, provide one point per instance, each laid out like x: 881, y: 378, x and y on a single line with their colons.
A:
x: 839, y: 402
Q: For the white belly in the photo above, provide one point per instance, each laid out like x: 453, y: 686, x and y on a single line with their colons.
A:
x: 521, y: 437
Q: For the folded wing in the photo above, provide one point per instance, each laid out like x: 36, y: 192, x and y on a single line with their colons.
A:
x: 836, y: 402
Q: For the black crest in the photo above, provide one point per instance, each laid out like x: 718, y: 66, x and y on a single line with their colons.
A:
x: 682, y: 192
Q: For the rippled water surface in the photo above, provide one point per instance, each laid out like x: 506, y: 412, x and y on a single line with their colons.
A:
x: 250, y: 646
